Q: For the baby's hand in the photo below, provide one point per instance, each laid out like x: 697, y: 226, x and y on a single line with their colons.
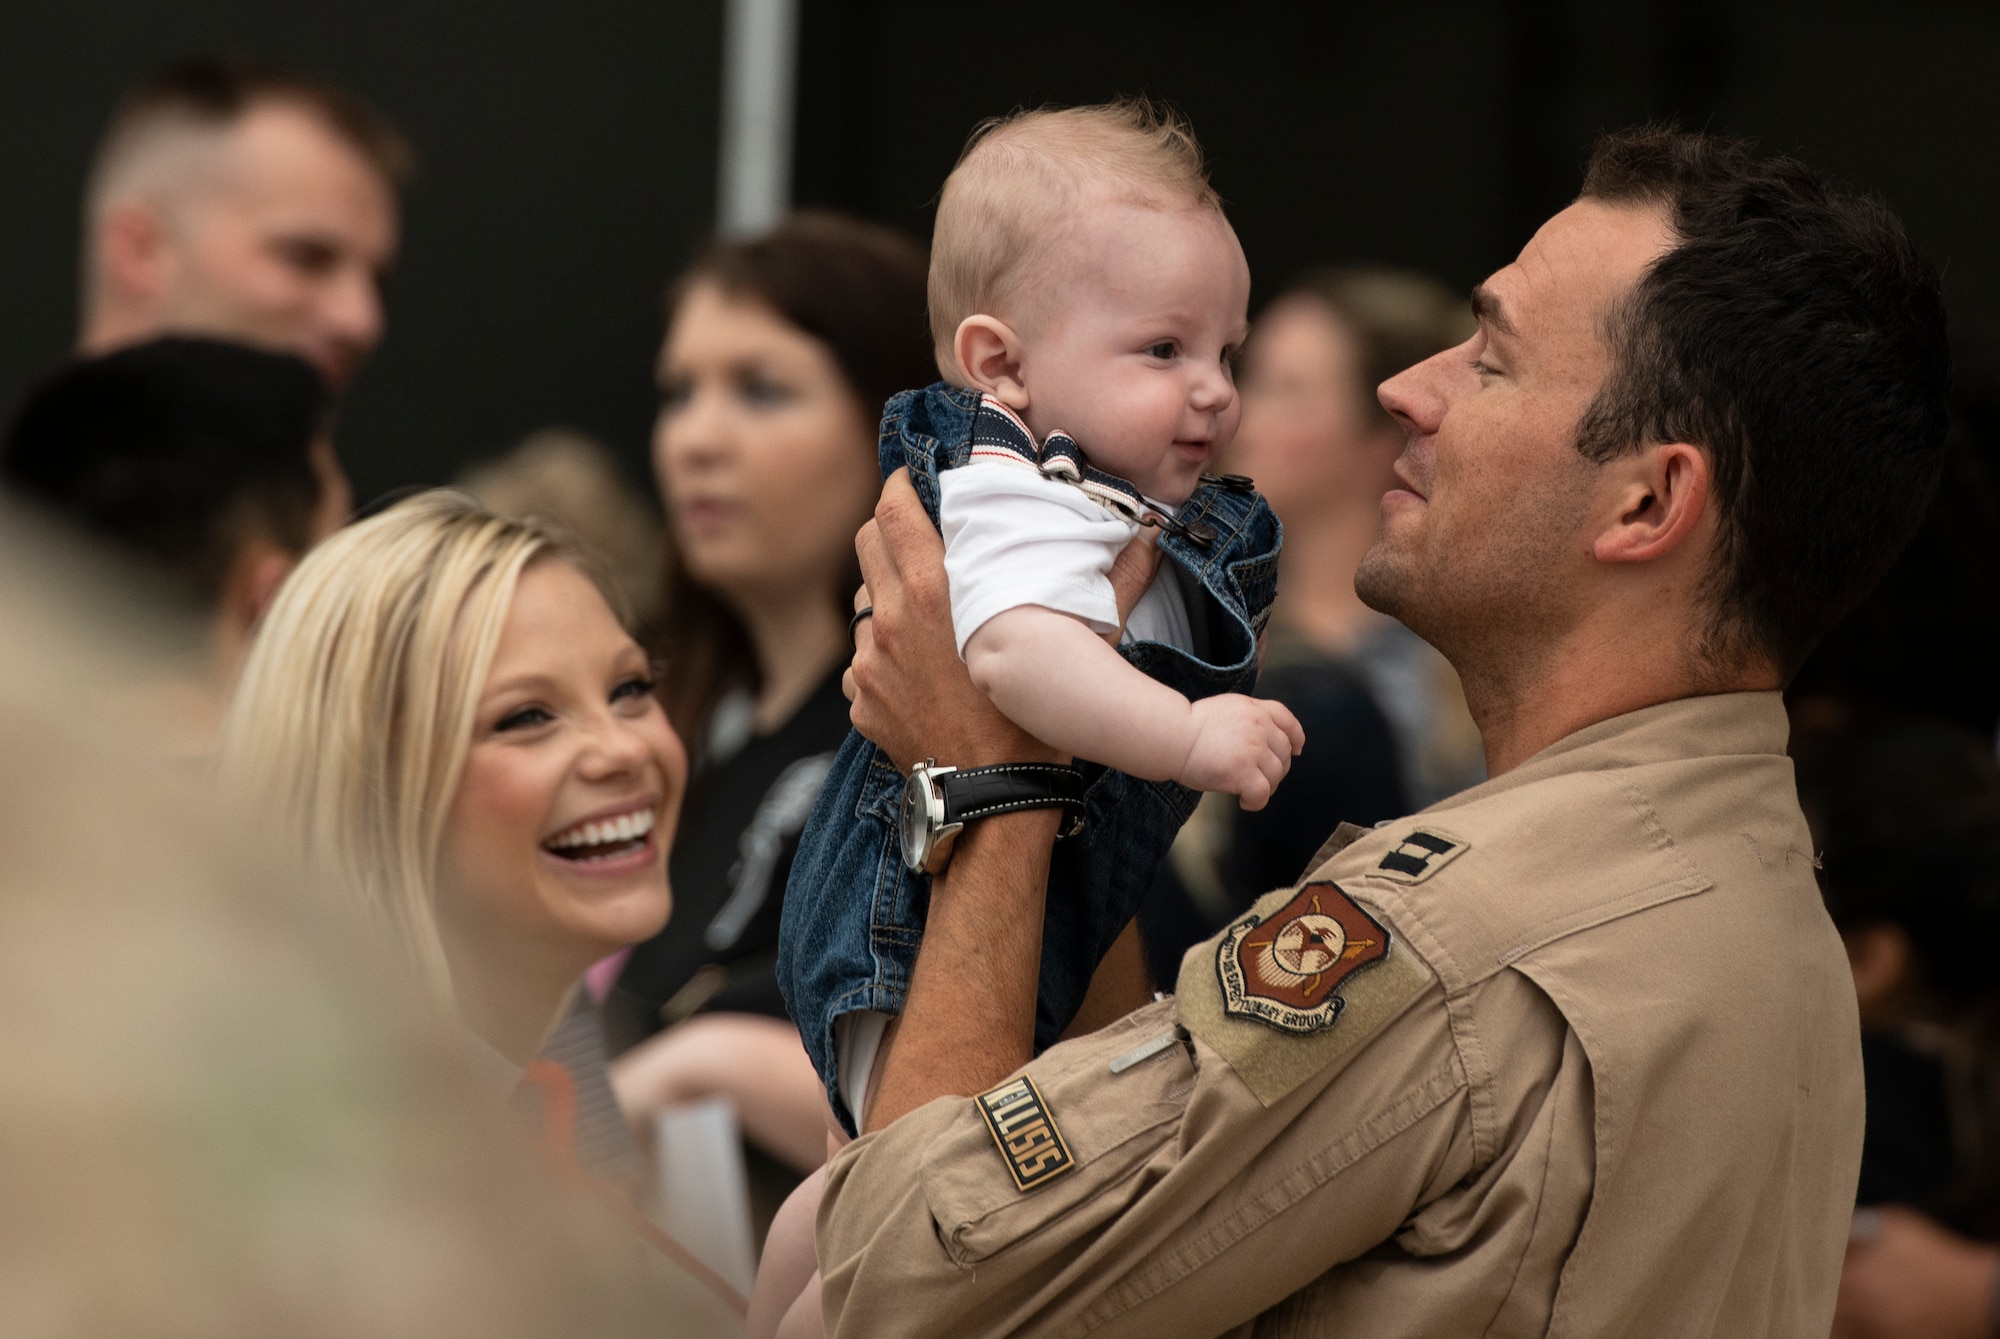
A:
x: 1242, y: 745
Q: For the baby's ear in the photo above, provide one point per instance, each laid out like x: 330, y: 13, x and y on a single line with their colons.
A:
x: 989, y: 353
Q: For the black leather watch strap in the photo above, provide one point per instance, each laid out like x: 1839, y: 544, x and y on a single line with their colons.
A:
x: 982, y: 792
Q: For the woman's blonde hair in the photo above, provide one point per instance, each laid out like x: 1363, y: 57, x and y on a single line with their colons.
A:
x: 350, y: 725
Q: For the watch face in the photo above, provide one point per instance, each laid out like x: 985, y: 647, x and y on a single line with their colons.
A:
x: 915, y: 819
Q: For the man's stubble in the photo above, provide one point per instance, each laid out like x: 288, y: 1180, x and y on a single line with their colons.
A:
x: 1496, y: 600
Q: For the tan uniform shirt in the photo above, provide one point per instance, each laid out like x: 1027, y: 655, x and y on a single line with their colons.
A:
x: 1573, y: 1053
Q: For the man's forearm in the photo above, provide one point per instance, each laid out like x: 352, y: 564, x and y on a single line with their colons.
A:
x: 970, y: 1018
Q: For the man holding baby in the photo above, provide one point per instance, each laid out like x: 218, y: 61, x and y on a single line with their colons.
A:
x: 1573, y: 1052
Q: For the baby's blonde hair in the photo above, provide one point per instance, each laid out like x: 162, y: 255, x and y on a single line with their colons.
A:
x: 1020, y: 176
x: 350, y: 726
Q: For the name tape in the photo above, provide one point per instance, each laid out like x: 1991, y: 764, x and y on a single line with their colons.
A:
x: 1029, y: 1142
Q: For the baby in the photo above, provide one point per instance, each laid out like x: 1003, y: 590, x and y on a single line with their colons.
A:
x: 1087, y: 298
x: 1110, y: 319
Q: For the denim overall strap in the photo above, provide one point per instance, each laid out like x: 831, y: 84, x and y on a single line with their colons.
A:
x: 998, y: 434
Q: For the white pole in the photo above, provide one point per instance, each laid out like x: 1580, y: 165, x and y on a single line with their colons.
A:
x: 759, y: 53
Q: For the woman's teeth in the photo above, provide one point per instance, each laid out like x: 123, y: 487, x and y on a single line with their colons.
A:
x: 616, y: 836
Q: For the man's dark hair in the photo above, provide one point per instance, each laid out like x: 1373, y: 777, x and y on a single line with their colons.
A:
x: 173, y: 453
x: 218, y: 89
x: 1794, y: 334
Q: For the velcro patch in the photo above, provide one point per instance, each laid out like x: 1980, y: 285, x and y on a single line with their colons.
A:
x: 1030, y: 1144
x: 1273, y: 1061
x: 1421, y: 854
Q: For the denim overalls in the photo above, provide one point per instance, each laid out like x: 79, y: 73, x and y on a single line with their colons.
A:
x: 854, y: 914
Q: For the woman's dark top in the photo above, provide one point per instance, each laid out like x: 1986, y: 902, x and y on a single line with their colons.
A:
x: 738, y: 831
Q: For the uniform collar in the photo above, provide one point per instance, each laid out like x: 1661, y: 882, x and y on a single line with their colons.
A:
x: 1708, y: 726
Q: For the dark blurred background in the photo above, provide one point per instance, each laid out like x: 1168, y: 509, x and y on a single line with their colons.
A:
x: 569, y: 151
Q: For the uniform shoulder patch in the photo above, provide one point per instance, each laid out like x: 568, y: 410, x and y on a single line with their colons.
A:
x: 1029, y: 1142
x: 1286, y: 968
x: 1295, y: 984
x: 1422, y: 853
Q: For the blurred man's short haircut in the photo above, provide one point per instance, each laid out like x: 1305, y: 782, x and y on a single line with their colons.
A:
x: 175, y: 453
x: 1796, y: 337
x: 196, y: 99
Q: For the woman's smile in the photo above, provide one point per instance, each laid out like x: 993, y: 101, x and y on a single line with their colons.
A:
x: 613, y: 841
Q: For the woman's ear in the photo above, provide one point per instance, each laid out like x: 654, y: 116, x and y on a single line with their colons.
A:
x: 1660, y: 494
x: 990, y: 353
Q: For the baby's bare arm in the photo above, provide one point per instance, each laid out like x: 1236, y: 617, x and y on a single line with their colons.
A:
x: 1053, y: 677
x: 1062, y: 683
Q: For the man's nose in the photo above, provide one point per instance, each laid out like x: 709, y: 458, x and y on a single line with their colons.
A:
x: 353, y: 311
x: 1416, y: 397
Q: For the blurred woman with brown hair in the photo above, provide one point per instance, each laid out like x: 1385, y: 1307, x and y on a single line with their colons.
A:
x: 780, y: 352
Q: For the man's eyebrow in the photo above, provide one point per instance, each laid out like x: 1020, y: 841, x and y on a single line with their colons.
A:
x: 1486, y: 307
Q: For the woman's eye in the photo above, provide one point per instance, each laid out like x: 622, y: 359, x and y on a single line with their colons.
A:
x: 763, y: 393
x: 1479, y: 365
x: 523, y: 719
x: 675, y: 395
x: 1164, y: 350
x: 631, y: 688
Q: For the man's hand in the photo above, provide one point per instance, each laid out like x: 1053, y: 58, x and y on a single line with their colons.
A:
x: 1242, y: 745
x: 970, y: 1019
x: 1908, y: 1278
x: 911, y: 693
x: 1131, y: 572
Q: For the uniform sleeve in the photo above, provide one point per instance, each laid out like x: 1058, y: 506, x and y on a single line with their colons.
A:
x: 1012, y: 538
x: 1192, y: 1203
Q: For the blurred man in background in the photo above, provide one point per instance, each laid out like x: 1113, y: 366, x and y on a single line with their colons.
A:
x: 244, y: 200
x: 207, y: 467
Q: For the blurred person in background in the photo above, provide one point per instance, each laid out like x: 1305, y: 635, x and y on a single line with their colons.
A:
x: 1906, y: 814
x: 780, y: 353
x: 219, y: 1113
x: 1385, y: 712
x: 207, y: 467
x: 570, y: 479
x: 443, y: 715
x: 235, y: 198
x: 1321, y: 447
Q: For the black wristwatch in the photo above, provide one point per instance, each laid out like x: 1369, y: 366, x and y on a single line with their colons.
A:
x: 939, y: 801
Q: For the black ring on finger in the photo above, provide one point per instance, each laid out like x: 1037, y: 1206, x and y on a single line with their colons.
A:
x: 853, y: 624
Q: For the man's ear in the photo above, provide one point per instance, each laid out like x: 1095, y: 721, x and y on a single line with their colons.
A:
x: 132, y: 251
x: 1660, y: 495
x: 990, y: 352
